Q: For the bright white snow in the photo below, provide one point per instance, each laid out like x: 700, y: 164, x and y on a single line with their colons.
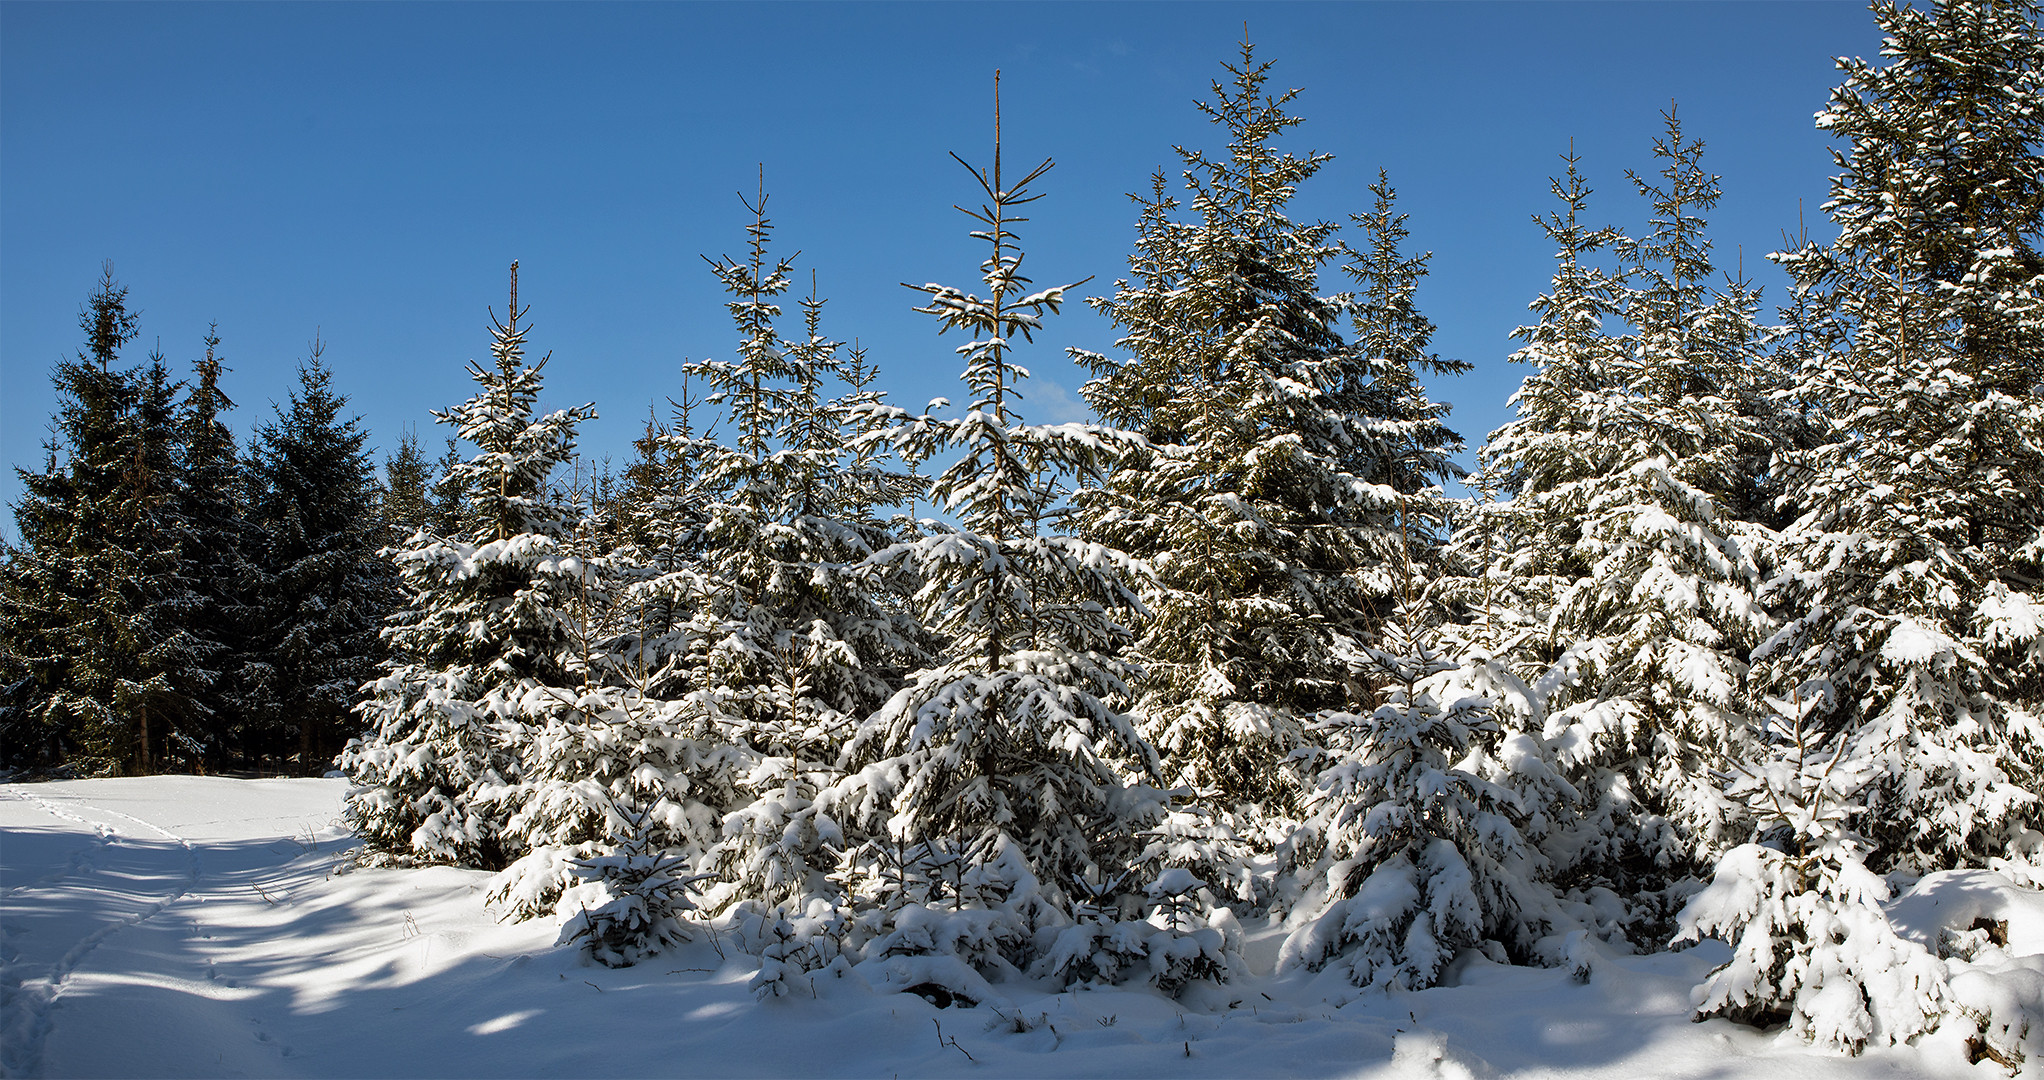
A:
x: 191, y: 926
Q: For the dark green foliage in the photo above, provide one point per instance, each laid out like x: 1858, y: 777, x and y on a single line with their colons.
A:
x: 99, y: 665
x: 322, y: 593
x: 405, y: 505
x: 215, y: 554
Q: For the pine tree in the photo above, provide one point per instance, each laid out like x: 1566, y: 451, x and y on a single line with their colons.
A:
x: 485, y: 646
x: 1910, y: 582
x: 1000, y: 768
x: 323, y: 593
x: 1266, y: 547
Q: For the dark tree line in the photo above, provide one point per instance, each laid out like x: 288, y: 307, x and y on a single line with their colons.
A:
x: 179, y: 602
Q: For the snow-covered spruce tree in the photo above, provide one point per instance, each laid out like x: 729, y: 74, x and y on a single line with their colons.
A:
x: 619, y: 791
x: 322, y: 592
x: 1519, y: 552
x: 1265, y: 543
x: 1811, y: 945
x: 1910, y: 583
x: 794, y: 647
x: 999, y: 772
x: 1419, y: 858
x: 484, y: 633
x: 1625, y: 467
x: 641, y: 887
x: 662, y: 519
x: 1401, y: 440
x: 615, y: 780
x: 833, y: 646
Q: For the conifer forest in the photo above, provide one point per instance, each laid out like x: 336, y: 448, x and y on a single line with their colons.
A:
x: 1734, y: 632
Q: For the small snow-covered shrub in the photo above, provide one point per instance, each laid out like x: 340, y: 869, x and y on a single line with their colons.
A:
x: 1173, y: 948
x: 631, y: 901
x: 1989, y: 931
x: 1418, y: 857
x: 1812, y: 947
x: 793, y: 945
x: 1811, y: 943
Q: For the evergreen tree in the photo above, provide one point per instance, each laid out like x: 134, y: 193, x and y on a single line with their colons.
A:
x: 404, y: 505
x: 1911, y: 580
x: 1268, y: 549
x: 173, y: 656
x: 485, y: 646
x: 217, y: 542
x: 1403, y: 442
x: 103, y: 669
x: 1001, y: 766
x: 323, y: 593
x: 809, y: 648
x: 1626, y: 466
x: 1419, y: 858
x: 445, y: 496
x: 1811, y: 944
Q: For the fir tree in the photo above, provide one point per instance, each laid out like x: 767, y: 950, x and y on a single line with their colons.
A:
x: 57, y: 612
x: 485, y: 647
x: 1910, y: 580
x: 1002, y: 761
x: 1404, y: 441
x: 761, y: 546
x: 1267, y: 548
x: 173, y: 655
x: 323, y: 593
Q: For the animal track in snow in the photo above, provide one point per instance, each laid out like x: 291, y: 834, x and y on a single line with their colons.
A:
x: 28, y: 1002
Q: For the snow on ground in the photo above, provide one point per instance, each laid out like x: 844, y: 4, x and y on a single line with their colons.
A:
x: 194, y: 926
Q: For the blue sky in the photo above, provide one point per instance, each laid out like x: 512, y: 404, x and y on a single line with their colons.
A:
x: 368, y: 171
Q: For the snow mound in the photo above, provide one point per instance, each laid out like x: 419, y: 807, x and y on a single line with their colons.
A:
x: 1990, y: 932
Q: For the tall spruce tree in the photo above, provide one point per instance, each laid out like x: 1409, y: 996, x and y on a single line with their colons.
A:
x: 1627, y: 469
x: 1001, y: 761
x: 1913, y: 581
x: 323, y: 593
x: 485, y: 644
x: 103, y: 669
x: 216, y: 555
x: 1268, y: 551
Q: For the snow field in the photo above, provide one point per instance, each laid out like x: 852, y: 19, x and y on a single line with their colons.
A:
x: 187, y: 926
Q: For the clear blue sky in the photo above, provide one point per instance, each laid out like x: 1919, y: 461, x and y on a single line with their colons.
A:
x: 367, y: 171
